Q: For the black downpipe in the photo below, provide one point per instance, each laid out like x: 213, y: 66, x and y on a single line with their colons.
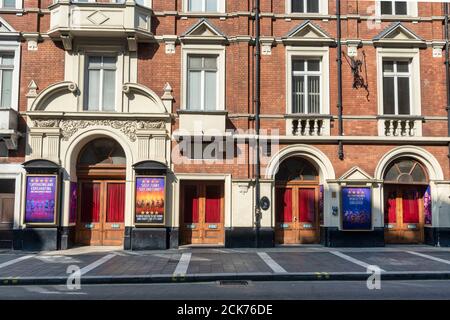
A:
x: 447, y: 76
x: 339, y: 74
x: 257, y: 119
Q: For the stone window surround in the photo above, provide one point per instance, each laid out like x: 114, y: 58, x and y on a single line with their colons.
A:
x: 396, y: 53
x: 75, y: 69
x: 218, y: 50
x: 309, y: 52
x: 13, y: 47
x: 412, y: 10
x: 323, y: 8
x: 221, y: 7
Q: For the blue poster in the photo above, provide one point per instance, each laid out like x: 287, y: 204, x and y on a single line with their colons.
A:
x: 357, y: 208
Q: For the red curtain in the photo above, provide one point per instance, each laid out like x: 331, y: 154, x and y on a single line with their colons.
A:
x: 190, y: 204
x: 390, y: 212
x: 90, y: 202
x: 307, y: 205
x: 410, y: 207
x: 116, y: 203
x: 212, y: 205
x: 284, y: 205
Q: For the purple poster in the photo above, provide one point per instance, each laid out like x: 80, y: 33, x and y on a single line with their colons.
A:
x: 357, y: 208
x: 427, y: 206
x: 73, y: 202
x: 321, y: 201
x: 40, y: 204
x: 150, y: 200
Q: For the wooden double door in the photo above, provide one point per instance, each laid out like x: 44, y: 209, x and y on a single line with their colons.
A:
x: 297, y: 214
x: 101, y: 212
x: 404, y: 214
x: 202, y: 213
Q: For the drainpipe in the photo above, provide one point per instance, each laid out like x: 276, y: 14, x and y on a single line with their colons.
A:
x: 339, y: 74
x: 447, y: 76
x: 257, y: 119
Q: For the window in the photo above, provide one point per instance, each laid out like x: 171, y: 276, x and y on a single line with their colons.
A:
x: 101, y: 83
x: 406, y: 171
x: 6, y: 80
x: 396, y: 87
x: 202, y: 83
x: 102, y: 151
x: 203, y: 6
x: 10, y: 4
x: 306, y: 82
x: 394, y: 8
x: 305, y: 6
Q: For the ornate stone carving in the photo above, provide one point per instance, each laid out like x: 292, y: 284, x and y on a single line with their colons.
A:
x: 46, y: 123
x: 127, y: 127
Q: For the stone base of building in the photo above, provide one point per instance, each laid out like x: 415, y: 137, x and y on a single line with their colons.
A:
x: 6, y: 239
x: 36, y: 239
x: 333, y: 237
x: 246, y: 238
x: 150, y: 238
x: 438, y: 237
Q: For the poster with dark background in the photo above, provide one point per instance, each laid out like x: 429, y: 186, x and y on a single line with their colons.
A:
x: 356, y: 208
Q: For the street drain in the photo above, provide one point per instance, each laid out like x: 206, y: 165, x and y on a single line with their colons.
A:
x: 233, y: 282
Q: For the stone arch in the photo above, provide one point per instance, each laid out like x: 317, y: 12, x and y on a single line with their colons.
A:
x: 315, y: 156
x: 77, y: 143
x: 433, y: 167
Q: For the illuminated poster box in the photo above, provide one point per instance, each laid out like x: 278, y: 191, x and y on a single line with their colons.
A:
x: 41, y: 199
x: 356, y: 208
x: 150, y: 202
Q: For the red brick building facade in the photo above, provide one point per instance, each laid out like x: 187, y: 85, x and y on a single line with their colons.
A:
x: 99, y: 94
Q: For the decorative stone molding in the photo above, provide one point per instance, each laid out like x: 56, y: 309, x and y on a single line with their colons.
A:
x: 32, y: 39
x: 170, y: 42
x: 70, y: 127
x: 438, y: 46
x: 266, y: 45
x: 167, y: 92
x: 46, y: 123
x: 352, y: 47
x: 243, y: 187
x: 127, y: 127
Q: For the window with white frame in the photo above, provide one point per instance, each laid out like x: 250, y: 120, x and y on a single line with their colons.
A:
x: 304, y: 6
x: 202, y: 82
x: 100, y: 87
x: 6, y: 79
x: 396, y: 87
x: 392, y: 7
x: 8, y: 4
x: 306, y: 84
x: 203, y: 5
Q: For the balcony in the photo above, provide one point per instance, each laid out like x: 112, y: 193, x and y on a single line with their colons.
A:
x: 8, y: 128
x: 126, y: 20
x: 399, y: 126
x: 312, y: 125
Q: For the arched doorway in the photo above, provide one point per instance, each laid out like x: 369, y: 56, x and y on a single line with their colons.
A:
x: 101, y: 172
x: 297, y: 202
x: 405, y: 183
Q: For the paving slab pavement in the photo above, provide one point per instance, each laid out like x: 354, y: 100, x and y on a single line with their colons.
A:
x: 111, y: 265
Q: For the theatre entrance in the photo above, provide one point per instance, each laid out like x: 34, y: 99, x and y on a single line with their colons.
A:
x: 202, y: 213
x: 297, y: 203
x: 101, y: 172
x: 405, y: 188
